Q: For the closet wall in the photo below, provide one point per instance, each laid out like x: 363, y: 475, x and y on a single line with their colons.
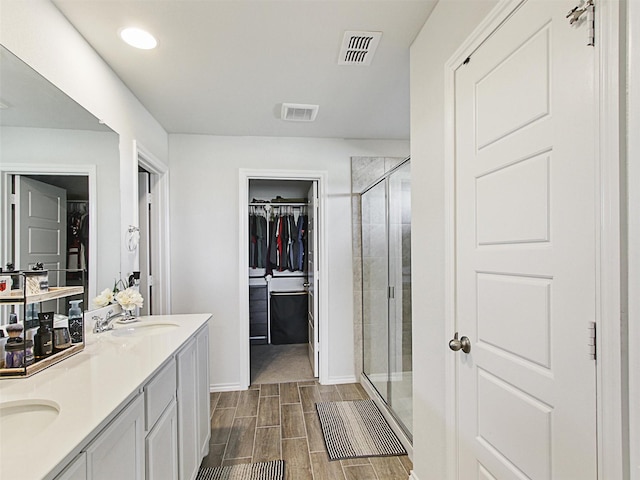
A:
x: 277, y: 252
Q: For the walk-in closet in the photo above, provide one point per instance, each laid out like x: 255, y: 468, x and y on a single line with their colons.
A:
x: 282, y: 287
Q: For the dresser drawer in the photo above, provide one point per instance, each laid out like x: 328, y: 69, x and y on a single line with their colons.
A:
x: 258, y: 293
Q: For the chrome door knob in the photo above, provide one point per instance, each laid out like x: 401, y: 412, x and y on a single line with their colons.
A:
x: 463, y: 344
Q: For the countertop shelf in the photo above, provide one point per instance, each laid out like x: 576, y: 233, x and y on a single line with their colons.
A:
x: 24, y: 372
x: 17, y: 296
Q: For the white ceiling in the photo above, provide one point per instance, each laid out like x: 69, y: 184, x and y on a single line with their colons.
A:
x: 225, y: 67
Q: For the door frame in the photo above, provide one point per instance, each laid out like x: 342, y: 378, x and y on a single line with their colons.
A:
x: 244, y: 175
x: 9, y: 169
x: 633, y: 242
x: 609, y: 381
x: 160, y: 232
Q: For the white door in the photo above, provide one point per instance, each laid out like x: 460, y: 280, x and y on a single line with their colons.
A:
x: 525, y: 250
x: 312, y: 279
x: 41, y: 228
x: 144, y: 247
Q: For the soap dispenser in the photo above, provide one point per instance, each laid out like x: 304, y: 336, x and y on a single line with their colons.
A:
x: 75, y: 321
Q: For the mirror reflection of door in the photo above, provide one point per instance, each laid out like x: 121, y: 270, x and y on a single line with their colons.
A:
x: 51, y: 226
x: 144, y: 247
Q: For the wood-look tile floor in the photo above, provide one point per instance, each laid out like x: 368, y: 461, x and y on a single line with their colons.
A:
x: 279, y: 421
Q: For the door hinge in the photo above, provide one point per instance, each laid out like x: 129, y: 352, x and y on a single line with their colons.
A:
x: 392, y: 291
x: 575, y: 15
x: 12, y: 199
x: 150, y: 280
x: 149, y: 199
x: 591, y: 340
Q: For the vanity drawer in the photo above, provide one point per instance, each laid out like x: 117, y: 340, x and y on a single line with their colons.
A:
x: 158, y: 393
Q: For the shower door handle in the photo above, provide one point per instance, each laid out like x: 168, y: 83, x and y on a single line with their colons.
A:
x: 463, y: 344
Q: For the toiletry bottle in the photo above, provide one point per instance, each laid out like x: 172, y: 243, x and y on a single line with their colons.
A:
x: 43, y: 339
x: 75, y: 321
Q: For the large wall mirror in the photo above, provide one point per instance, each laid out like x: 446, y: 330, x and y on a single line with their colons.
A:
x: 55, y: 152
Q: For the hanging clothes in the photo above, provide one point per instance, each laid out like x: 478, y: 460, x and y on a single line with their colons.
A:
x: 292, y: 235
x: 281, y: 241
x: 253, y: 261
x: 272, y: 248
x: 261, y: 241
x: 301, y: 243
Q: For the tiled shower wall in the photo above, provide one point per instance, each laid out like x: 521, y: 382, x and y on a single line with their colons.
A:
x: 364, y: 172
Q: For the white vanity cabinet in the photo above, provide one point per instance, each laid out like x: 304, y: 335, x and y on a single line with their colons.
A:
x: 135, y: 408
x: 118, y: 451
x: 194, y: 430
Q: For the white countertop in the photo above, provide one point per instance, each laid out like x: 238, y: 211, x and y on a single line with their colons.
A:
x: 89, y: 388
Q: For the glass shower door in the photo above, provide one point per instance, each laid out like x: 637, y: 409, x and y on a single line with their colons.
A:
x: 386, y: 291
x: 375, y: 288
x: 400, y: 390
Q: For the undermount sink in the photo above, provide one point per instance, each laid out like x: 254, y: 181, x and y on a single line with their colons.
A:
x: 29, y: 417
x: 143, y: 329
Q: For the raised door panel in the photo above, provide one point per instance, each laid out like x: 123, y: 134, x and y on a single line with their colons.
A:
x: 188, y: 448
x: 119, y: 451
x: 204, y: 424
x: 162, y: 447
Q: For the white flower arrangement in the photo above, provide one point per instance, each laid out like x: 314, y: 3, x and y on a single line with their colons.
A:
x: 128, y: 299
x: 105, y: 298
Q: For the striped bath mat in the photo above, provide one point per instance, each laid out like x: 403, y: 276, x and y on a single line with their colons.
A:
x: 356, y: 429
x: 250, y: 471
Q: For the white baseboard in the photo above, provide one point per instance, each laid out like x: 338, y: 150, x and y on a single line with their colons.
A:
x: 413, y: 476
x: 225, y: 387
x: 341, y: 380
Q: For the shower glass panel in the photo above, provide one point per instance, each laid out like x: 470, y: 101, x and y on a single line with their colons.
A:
x: 400, y: 361
x: 386, y: 291
x: 375, y: 285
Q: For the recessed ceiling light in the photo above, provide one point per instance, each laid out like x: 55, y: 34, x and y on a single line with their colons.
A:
x: 136, y: 37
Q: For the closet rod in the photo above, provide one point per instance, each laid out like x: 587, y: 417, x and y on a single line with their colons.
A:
x: 277, y: 294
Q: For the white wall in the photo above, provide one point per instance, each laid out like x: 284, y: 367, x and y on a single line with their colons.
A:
x: 40, y: 35
x: 44, y: 146
x: 633, y: 242
x: 205, y: 239
x: 447, y: 27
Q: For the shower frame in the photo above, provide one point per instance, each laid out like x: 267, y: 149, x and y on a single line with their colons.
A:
x: 383, y: 398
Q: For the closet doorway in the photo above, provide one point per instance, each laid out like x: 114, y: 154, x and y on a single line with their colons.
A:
x: 281, y: 239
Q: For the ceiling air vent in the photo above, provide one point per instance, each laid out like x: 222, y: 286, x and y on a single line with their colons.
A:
x: 358, y: 48
x: 295, y: 112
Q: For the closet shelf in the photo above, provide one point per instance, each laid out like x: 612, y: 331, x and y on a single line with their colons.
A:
x: 16, y: 297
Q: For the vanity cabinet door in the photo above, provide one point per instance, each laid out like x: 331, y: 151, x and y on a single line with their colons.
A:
x: 204, y: 400
x: 188, y: 448
x: 162, y: 446
x: 76, y: 470
x: 119, y: 450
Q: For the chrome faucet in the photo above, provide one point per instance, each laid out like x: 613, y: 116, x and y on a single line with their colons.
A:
x: 104, y: 324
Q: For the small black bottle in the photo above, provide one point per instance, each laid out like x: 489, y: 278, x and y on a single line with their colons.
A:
x: 43, y: 339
